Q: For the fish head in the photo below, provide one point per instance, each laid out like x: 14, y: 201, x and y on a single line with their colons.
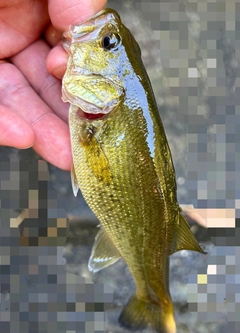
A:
x: 99, y: 68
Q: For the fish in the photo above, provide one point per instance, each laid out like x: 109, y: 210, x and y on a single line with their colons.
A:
x: 123, y: 165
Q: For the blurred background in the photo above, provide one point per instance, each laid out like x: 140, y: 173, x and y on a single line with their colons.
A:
x: 191, y: 53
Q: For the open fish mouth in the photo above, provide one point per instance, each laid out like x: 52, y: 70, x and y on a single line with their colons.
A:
x: 93, y: 94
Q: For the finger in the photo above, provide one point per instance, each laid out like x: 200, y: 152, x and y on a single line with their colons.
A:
x: 21, y: 23
x: 32, y: 63
x: 52, y: 140
x: 64, y: 13
x: 14, y: 130
x: 57, y: 61
x: 52, y: 35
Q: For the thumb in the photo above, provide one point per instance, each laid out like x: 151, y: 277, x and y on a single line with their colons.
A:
x: 64, y: 13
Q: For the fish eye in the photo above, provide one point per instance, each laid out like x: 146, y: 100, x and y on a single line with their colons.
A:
x: 110, y: 41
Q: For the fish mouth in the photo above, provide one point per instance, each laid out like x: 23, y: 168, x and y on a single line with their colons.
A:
x: 95, y: 95
x: 90, y: 116
x: 89, y: 111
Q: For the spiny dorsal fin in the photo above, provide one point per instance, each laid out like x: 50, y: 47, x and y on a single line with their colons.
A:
x: 104, y: 252
x: 75, y: 186
x: 185, y: 238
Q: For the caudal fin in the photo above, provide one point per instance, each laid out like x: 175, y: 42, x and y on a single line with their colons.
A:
x: 139, y: 314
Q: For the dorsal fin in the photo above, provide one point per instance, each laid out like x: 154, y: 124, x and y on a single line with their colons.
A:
x: 185, y: 239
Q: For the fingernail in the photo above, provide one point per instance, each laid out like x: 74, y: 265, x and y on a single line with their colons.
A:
x: 59, y: 71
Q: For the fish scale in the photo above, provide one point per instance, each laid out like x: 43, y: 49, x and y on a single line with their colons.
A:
x: 123, y: 165
x: 143, y: 213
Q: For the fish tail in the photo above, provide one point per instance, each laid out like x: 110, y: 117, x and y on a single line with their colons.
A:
x: 138, y: 314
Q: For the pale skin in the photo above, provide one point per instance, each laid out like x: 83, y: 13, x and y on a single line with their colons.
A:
x: 32, y: 64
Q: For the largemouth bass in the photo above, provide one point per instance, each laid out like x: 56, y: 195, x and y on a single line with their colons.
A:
x: 123, y: 165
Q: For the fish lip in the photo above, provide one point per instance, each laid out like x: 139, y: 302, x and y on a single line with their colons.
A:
x: 89, y: 75
x: 88, y: 107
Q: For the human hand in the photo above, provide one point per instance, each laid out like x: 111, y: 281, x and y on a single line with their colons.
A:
x: 31, y: 111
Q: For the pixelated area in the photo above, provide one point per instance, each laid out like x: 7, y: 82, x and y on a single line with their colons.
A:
x: 214, y: 295
x: 191, y: 52
x: 199, y: 55
x: 37, y: 293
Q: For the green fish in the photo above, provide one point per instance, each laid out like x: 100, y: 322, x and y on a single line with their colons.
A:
x: 123, y: 165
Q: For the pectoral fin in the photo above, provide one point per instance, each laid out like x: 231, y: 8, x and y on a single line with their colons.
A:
x: 104, y: 252
x: 185, y: 238
x: 97, y: 160
x: 75, y: 186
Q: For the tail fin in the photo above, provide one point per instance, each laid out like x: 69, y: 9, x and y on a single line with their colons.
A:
x: 139, y: 314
